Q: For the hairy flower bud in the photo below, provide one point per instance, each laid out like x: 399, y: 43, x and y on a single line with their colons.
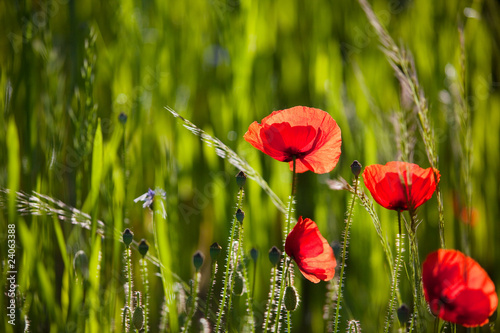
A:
x: 215, y: 249
x: 198, y: 259
x: 241, y: 178
x: 291, y: 298
x: 356, y: 168
x: 128, y: 237
x: 143, y: 247
x: 274, y: 255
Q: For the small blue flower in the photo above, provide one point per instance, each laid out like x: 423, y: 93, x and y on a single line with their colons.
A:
x: 149, y: 197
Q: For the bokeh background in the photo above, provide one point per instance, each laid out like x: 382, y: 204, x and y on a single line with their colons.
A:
x: 66, y: 66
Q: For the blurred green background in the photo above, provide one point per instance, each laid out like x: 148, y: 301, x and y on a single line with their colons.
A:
x: 66, y: 66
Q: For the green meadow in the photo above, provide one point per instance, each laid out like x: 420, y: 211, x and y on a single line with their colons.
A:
x: 90, y: 94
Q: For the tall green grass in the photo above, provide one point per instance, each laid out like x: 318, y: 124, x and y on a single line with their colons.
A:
x: 69, y: 68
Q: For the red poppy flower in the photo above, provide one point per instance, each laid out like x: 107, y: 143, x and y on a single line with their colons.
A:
x: 400, y: 185
x: 457, y: 289
x: 311, y: 135
x: 310, y: 250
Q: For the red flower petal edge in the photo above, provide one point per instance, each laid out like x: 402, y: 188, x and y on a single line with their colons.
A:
x: 458, y: 289
x: 310, y: 250
x: 308, y: 133
x: 400, y: 185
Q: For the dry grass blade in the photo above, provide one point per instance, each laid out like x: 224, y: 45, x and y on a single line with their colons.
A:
x: 40, y: 204
x: 227, y: 153
x: 404, y: 68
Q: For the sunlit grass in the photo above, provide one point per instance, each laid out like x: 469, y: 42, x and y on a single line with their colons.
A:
x: 68, y: 69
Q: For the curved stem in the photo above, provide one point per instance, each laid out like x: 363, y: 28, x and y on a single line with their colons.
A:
x: 344, y: 252
x: 125, y: 327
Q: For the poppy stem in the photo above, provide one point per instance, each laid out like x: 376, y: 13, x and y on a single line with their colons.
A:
x: 194, y: 302
x: 213, y: 271
x: 145, y: 282
x: 282, y: 278
x: 436, y: 324
x: 344, y: 254
x: 395, y: 277
x: 399, y: 221
x: 249, y: 300
x: 290, y: 204
x: 282, y: 286
x: 225, y: 300
x: 129, y: 274
x: 271, y: 298
x: 417, y: 274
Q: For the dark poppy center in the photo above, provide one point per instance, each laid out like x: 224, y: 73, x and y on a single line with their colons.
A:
x: 290, y: 140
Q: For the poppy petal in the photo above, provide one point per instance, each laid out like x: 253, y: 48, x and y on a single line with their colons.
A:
x: 311, y: 252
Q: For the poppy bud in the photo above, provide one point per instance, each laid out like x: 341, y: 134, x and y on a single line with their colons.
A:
x: 198, y: 260
x: 274, y: 255
x: 215, y: 249
x: 241, y: 178
x: 239, y: 285
x: 128, y: 236
x: 240, y: 215
x: 143, y: 247
x: 254, y: 254
x: 403, y: 314
x: 291, y: 298
x: 138, y: 318
x: 122, y: 117
x: 356, y: 168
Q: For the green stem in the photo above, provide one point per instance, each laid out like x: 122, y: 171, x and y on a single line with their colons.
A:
x: 399, y: 221
x: 129, y: 271
x: 231, y: 285
x: 289, y: 216
x: 125, y: 327
x: 194, y: 298
x: 213, y: 271
x: 145, y: 281
x: 415, y: 264
x: 344, y: 254
x: 285, y: 257
x: 271, y: 299
x: 254, y: 278
x: 395, y: 275
x: 282, y: 292
x: 228, y: 260
x: 249, y: 299
x: 289, y: 321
